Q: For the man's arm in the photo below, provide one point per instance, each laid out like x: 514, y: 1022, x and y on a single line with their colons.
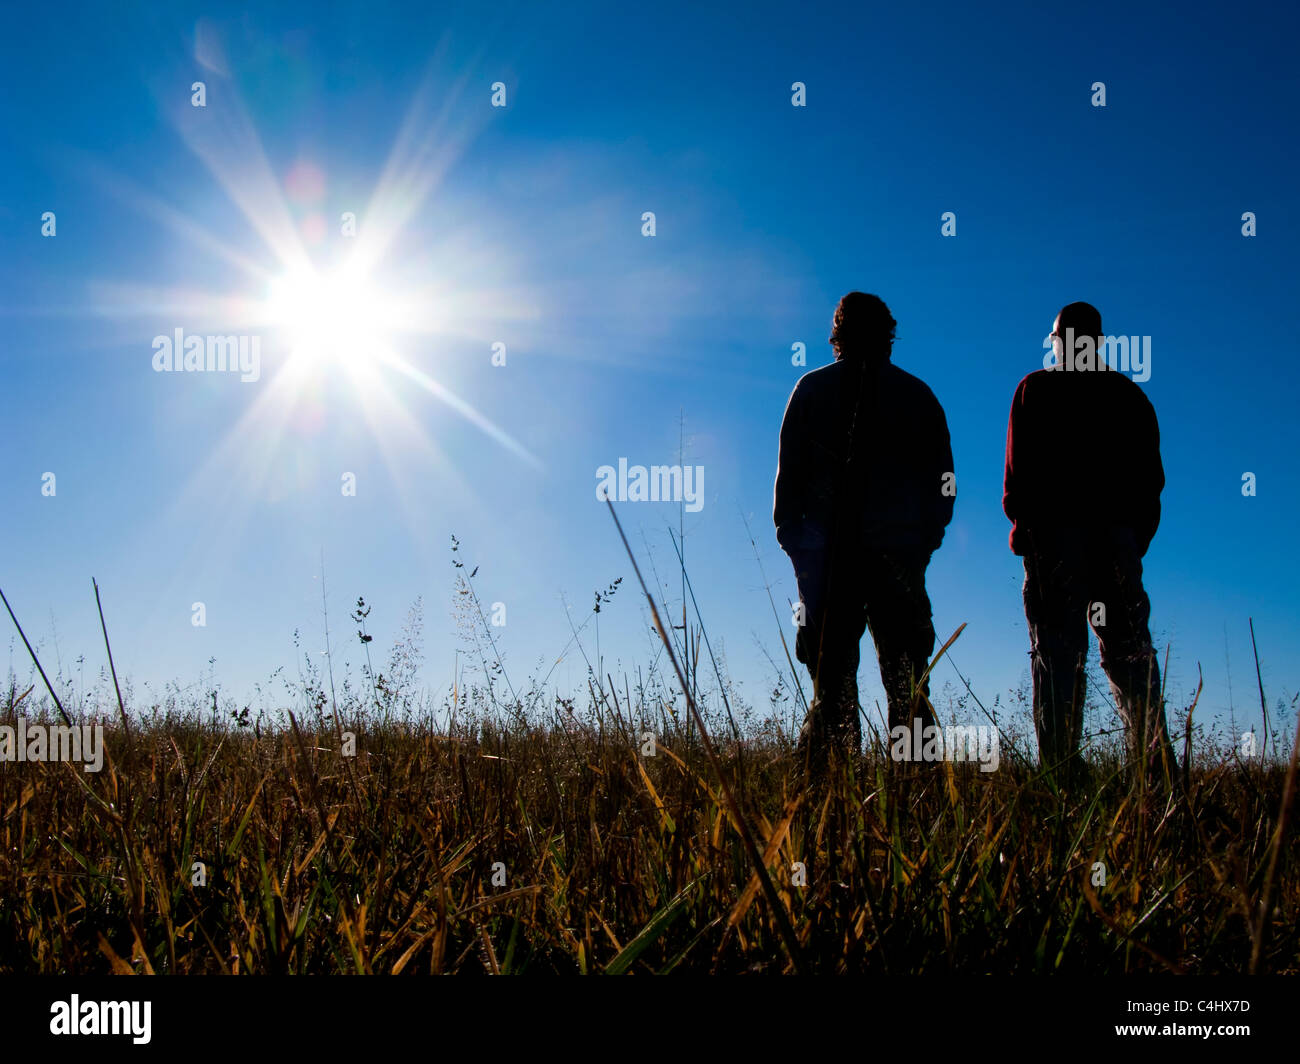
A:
x: 1012, y: 502
x: 943, y: 475
x: 1147, y: 520
x: 791, y: 472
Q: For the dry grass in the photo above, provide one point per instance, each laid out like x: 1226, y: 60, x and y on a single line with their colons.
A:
x: 614, y: 862
x: 512, y: 831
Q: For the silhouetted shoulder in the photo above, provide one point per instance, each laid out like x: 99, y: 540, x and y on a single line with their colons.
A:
x: 1136, y: 393
x: 827, y: 376
x: 910, y: 389
x: 898, y: 387
x: 1108, y: 386
x: 1032, y: 383
x: 819, y: 385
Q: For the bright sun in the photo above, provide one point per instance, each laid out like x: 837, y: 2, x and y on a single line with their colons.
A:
x: 336, y: 317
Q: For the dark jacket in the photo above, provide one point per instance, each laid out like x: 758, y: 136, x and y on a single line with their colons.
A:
x: 1083, y: 451
x: 892, y: 493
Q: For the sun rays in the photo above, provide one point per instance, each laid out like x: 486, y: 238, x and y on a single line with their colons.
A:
x: 359, y: 329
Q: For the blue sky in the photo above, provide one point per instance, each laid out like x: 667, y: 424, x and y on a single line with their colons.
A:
x: 522, y: 225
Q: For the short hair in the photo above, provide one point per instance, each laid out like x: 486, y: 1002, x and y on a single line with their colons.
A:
x: 1083, y: 318
x: 862, y: 327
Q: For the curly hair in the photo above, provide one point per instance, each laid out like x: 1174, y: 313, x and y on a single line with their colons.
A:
x: 862, y: 327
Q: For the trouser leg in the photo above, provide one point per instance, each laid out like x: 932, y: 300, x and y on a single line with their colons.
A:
x: 828, y: 644
x: 899, y: 618
x: 1120, y: 615
x: 1056, y: 600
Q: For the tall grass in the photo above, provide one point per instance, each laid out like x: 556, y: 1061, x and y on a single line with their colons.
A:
x: 511, y: 830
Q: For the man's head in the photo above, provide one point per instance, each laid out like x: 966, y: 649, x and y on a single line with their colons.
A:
x: 862, y: 328
x: 1077, y: 320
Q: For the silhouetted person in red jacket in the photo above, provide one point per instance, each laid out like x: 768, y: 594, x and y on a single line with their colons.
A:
x: 864, y: 490
x: 1082, y: 488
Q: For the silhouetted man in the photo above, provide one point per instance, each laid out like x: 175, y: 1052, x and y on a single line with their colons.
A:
x: 1082, y: 488
x: 864, y: 490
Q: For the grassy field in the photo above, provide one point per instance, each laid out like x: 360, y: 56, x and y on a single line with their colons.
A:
x: 369, y: 831
x: 496, y: 845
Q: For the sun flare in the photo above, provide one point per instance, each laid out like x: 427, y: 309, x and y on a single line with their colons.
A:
x: 368, y: 335
x: 335, y: 317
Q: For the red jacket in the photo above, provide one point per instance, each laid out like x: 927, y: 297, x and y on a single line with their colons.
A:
x: 1083, y: 450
